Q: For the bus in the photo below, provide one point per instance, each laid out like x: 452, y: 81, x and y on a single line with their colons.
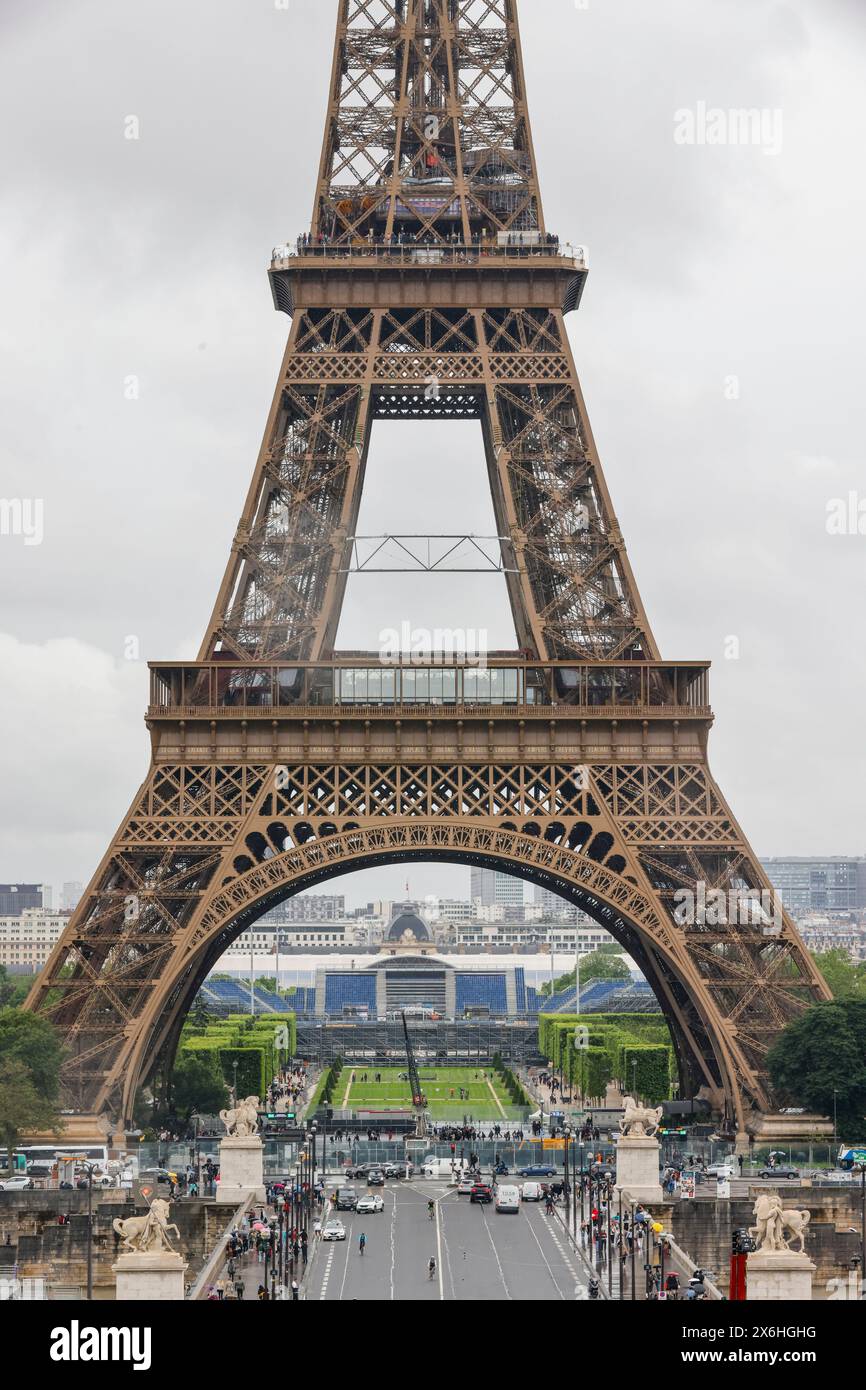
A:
x: 38, y: 1160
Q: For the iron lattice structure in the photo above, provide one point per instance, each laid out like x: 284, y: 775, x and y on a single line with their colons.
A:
x: 428, y: 287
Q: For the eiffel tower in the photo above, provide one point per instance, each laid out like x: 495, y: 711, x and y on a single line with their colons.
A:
x: 427, y: 288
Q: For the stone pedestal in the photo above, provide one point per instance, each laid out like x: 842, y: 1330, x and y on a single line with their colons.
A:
x: 241, y: 1170
x: 637, y: 1167
x: 155, y: 1277
x: 780, y: 1275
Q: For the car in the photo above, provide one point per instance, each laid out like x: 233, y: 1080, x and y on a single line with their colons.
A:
x: 481, y: 1192
x: 17, y: 1183
x: 372, y: 1202
x: 465, y: 1186
x: 334, y: 1230
x: 399, y: 1170
x: 157, y: 1175
x: 719, y: 1170
x: 508, y: 1198
x: 376, y: 1178
x: 536, y: 1170
x: 532, y: 1192
x: 357, y: 1170
x: 778, y: 1173
x: 39, y: 1170
x: 347, y: 1199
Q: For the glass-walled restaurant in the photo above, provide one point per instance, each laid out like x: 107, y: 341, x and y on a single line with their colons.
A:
x: 217, y: 685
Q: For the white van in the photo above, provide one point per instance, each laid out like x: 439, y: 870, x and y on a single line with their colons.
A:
x: 532, y: 1192
x: 444, y: 1168
x: 508, y: 1199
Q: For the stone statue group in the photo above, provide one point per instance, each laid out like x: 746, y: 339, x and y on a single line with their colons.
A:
x: 638, y: 1121
x: 147, y: 1234
x: 772, y: 1222
x: 243, y: 1120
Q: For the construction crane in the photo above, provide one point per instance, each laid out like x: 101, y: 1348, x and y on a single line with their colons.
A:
x: 419, y: 1100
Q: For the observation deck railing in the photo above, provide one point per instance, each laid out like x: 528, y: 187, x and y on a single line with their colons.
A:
x: 412, y: 254
x: 479, y: 686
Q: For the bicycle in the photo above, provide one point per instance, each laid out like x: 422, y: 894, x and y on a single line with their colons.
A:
x: 362, y: 1244
x: 431, y: 1210
x: 431, y: 1269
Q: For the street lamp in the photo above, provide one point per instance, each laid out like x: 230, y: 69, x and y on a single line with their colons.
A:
x: 235, y: 1083
x: 621, y: 1247
x: 89, y: 1170
x: 566, y: 1135
x: 835, y: 1094
x: 862, y: 1167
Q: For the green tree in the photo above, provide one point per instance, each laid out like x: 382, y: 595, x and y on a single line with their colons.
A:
x: 13, y: 989
x: 31, y: 1040
x: 846, y: 978
x: 596, y: 966
x: 197, y: 1084
x: 22, y: 1107
x: 822, y: 1052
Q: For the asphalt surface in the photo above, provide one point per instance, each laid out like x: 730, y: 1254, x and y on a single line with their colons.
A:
x: 480, y: 1254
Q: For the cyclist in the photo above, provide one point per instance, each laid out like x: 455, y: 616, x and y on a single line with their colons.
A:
x: 431, y: 1207
x: 362, y: 1242
x: 431, y: 1268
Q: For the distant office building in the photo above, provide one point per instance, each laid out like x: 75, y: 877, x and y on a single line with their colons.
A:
x: 825, y: 933
x: 16, y: 898
x: 558, y: 936
x: 263, y: 937
x: 28, y: 938
x: 453, y: 910
x: 834, y: 884
x: 307, y: 907
x: 490, y: 888
x: 70, y: 896
x: 554, y: 908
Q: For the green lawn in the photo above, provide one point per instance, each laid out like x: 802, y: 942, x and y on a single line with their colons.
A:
x: 438, y: 1083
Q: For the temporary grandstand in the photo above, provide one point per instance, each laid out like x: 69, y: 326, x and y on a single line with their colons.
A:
x: 427, y: 985
x: 222, y: 997
x: 600, y: 997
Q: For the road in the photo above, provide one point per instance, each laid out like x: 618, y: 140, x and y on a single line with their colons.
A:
x: 480, y: 1255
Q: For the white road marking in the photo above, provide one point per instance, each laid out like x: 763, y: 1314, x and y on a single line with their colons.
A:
x: 544, y: 1257
x: 495, y: 1252
x: 439, y: 1253
x: 393, y: 1241
x: 348, y: 1245
x: 326, y: 1276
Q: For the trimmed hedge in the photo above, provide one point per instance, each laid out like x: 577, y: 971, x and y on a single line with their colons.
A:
x: 516, y: 1093
x: 616, y: 1041
x: 250, y: 1041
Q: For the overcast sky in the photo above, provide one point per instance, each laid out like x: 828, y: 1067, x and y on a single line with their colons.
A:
x: 720, y: 344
